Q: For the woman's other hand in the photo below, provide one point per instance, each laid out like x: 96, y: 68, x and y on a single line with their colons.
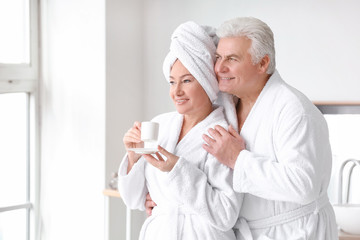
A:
x: 160, y: 163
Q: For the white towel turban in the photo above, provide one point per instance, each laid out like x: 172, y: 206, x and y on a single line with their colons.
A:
x: 195, y: 47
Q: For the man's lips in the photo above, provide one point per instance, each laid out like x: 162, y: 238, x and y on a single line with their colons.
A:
x: 226, y: 78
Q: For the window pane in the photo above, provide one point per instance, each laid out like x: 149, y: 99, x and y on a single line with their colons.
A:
x: 13, y: 225
x: 13, y: 148
x: 14, y: 29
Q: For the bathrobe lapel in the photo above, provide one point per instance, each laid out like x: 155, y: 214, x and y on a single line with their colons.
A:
x: 259, y: 111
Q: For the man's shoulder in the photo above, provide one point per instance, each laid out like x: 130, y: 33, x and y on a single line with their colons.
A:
x: 291, y: 102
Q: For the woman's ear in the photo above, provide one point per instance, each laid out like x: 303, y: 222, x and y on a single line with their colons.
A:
x: 264, y: 64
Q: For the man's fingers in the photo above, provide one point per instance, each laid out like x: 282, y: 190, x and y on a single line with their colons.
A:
x: 208, y: 139
x: 148, y: 196
x: 148, y: 212
x: 208, y: 148
x: 233, y: 132
x: 222, y: 131
x: 214, y: 133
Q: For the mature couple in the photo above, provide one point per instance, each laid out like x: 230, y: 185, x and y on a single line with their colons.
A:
x: 250, y: 162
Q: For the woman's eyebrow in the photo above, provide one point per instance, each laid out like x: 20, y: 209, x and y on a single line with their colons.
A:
x: 182, y: 76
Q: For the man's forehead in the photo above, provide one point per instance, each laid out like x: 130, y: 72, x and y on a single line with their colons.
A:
x: 233, y: 45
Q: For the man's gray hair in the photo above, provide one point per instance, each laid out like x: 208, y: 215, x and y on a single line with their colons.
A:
x: 260, y: 34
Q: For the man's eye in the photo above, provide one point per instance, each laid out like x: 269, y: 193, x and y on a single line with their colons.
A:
x: 171, y: 82
x: 232, y: 59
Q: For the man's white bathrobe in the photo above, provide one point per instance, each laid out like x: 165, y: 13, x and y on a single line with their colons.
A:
x: 285, y: 169
x: 195, y: 200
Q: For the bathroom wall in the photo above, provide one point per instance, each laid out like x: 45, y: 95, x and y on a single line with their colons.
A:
x: 72, y: 120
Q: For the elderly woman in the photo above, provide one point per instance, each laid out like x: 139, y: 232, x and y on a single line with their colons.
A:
x: 192, y: 190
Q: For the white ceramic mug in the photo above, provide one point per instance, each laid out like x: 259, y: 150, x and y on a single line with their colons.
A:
x: 149, y: 131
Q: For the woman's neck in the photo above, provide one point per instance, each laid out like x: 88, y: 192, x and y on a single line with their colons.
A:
x: 190, y: 120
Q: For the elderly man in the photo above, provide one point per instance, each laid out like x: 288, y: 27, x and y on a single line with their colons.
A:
x: 279, y: 147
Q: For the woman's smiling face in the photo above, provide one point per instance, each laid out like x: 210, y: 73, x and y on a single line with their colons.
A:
x: 186, y: 92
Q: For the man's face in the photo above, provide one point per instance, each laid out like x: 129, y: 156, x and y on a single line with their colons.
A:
x: 234, y: 69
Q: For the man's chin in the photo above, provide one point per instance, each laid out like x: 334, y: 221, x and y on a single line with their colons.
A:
x: 224, y: 88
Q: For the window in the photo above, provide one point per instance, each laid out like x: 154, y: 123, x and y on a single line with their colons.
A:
x: 18, y: 100
x: 14, y: 41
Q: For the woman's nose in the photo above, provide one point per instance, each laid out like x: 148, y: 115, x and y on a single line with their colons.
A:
x: 178, y: 89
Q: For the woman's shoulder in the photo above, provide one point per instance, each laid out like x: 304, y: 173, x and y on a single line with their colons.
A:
x: 165, y: 117
x: 217, y: 117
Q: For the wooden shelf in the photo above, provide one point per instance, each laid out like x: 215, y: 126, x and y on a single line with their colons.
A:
x: 346, y: 236
x: 337, y: 103
x: 111, y: 193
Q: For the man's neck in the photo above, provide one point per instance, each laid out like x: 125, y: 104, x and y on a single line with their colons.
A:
x: 247, y: 101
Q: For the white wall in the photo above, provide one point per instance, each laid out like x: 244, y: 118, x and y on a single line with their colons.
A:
x: 72, y: 119
x: 124, y: 96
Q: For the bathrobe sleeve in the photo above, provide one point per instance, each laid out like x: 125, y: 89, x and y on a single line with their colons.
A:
x: 132, y: 186
x: 208, y: 193
x: 295, y: 173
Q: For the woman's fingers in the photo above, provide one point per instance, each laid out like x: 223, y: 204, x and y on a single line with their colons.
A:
x: 160, y: 163
x: 153, y: 161
x: 159, y: 157
x: 137, y: 125
x: 132, y: 138
x: 164, y: 152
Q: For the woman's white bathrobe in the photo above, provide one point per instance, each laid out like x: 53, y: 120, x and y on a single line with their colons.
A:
x: 195, y: 200
x: 286, y: 165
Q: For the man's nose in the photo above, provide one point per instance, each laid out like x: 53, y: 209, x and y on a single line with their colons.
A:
x: 220, y: 66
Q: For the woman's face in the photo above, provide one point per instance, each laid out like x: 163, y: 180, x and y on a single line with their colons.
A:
x: 186, y: 92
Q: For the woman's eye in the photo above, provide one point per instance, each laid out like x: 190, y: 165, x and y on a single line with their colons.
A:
x: 171, y: 82
x: 186, y: 81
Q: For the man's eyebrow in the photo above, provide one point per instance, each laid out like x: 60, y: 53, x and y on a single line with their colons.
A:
x: 227, y: 56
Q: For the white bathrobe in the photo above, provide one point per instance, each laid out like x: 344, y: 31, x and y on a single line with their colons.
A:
x: 285, y: 169
x: 195, y: 200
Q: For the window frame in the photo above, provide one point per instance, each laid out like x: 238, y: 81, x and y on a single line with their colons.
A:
x: 25, y: 78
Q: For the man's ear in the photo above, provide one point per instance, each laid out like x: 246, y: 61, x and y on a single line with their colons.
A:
x: 264, y: 64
